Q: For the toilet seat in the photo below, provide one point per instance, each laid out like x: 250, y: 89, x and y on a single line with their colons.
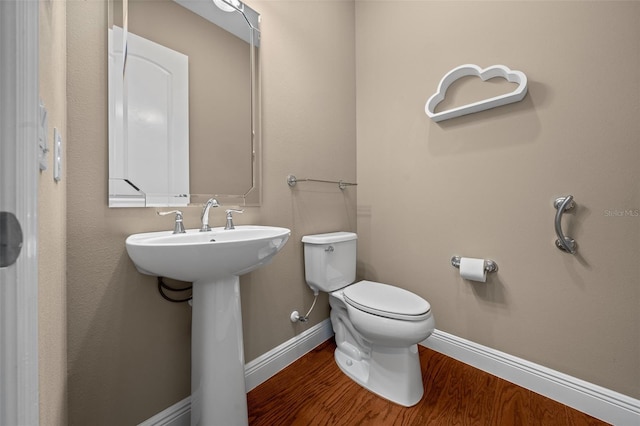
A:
x: 386, y: 301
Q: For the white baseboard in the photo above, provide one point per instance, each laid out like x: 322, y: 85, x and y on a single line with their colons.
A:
x: 268, y: 365
x: 256, y: 371
x: 178, y: 414
x: 599, y: 402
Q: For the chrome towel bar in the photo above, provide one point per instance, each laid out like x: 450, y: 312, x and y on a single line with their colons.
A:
x: 292, y: 180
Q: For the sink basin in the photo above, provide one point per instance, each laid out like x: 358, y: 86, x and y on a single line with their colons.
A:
x: 213, y: 261
x: 204, y: 256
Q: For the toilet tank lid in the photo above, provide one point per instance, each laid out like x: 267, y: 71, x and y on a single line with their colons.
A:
x: 329, y: 238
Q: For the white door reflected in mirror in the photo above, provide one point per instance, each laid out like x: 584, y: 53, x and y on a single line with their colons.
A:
x: 150, y: 106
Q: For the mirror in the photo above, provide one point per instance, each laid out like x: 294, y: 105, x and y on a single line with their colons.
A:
x: 183, y: 103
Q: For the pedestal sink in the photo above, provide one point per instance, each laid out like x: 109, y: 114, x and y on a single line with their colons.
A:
x: 213, y: 261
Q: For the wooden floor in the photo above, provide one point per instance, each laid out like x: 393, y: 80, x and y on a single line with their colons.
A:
x: 313, y: 391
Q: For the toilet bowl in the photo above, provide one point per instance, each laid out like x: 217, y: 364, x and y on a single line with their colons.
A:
x: 377, y: 326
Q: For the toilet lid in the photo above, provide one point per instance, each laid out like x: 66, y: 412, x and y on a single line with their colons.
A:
x: 386, y: 301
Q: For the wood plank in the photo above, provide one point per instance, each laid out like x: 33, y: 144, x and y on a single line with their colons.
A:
x: 511, y: 405
x: 547, y: 412
x: 314, y: 392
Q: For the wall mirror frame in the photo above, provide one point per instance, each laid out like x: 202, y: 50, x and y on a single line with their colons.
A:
x: 184, y: 103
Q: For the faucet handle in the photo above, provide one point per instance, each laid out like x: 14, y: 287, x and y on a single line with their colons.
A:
x: 179, y: 226
x: 229, y: 213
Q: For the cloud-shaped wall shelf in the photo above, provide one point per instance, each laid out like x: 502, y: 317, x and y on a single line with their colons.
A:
x: 485, y: 74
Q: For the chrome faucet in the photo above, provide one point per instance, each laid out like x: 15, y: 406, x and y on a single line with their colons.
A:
x: 229, y: 213
x: 205, y: 214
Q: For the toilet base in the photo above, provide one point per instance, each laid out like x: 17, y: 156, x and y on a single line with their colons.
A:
x: 392, y: 373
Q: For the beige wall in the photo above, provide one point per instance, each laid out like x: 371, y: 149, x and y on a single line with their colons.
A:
x: 128, y: 349
x: 478, y: 186
x: 308, y: 122
x: 52, y: 326
x: 483, y: 185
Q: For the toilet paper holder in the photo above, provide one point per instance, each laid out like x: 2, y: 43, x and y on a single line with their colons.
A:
x: 489, y: 265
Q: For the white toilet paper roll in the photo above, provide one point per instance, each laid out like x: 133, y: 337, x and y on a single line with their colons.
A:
x: 473, y: 269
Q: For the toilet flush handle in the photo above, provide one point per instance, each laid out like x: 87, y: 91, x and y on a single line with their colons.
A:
x: 329, y: 249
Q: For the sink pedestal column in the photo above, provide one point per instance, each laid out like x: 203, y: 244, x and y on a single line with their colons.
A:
x: 218, y: 393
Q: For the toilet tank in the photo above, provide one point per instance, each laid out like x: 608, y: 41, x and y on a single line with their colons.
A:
x: 330, y: 260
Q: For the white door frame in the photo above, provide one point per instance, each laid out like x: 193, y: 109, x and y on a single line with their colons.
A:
x: 19, y: 401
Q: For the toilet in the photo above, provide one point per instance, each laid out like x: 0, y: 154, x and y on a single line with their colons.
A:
x: 377, y: 326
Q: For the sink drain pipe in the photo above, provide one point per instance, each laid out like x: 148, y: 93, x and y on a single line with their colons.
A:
x: 163, y: 286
